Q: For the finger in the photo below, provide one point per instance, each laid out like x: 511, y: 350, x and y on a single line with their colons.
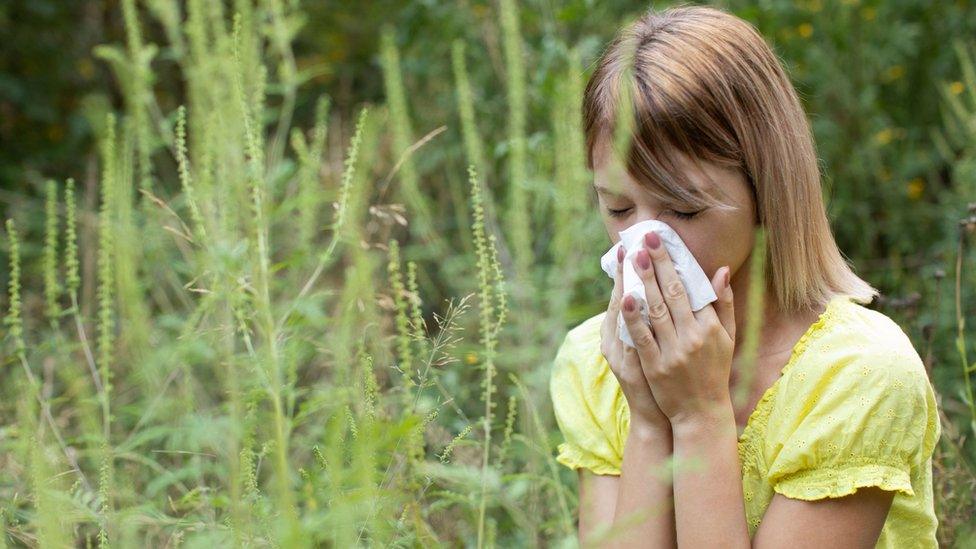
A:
x: 609, y: 328
x: 619, y: 350
x: 640, y: 333
x: 618, y: 283
x: 724, y: 307
x: 708, y: 313
x: 633, y: 368
x: 670, y: 283
x: 657, y: 309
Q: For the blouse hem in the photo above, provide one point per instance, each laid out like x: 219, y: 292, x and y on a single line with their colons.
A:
x: 835, y: 482
x: 574, y: 458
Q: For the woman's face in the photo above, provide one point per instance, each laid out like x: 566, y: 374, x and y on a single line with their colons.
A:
x: 715, y: 237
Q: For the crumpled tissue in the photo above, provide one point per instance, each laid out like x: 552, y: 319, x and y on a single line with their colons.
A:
x: 697, y: 284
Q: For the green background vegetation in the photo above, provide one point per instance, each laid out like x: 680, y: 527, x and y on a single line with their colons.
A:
x: 256, y: 296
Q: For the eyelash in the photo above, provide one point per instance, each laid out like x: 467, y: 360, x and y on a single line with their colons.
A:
x: 681, y: 215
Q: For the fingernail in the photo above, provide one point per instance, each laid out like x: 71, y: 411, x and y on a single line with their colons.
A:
x: 726, y: 276
x: 620, y: 253
x: 643, y: 260
x: 652, y: 240
x: 629, y: 304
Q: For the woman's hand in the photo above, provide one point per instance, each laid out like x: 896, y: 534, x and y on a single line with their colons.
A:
x: 688, y: 357
x: 626, y: 366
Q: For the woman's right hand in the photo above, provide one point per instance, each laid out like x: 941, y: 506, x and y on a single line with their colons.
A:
x: 625, y: 363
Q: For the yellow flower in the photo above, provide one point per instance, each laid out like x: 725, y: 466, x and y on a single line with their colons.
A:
x: 915, y: 188
x: 86, y: 68
x: 868, y: 13
x: 884, y: 136
x: 894, y: 72
x: 956, y: 87
x: 805, y: 30
x: 471, y: 358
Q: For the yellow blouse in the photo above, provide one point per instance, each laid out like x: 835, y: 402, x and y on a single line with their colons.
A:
x: 853, y: 407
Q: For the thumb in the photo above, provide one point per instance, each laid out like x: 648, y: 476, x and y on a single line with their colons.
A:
x: 721, y: 283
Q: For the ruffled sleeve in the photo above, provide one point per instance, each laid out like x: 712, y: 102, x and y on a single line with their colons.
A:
x: 588, y: 405
x: 865, y: 419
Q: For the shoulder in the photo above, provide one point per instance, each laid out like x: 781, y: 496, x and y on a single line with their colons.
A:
x: 862, y: 370
x: 876, y: 331
x: 859, y: 344
x: 579, y: 362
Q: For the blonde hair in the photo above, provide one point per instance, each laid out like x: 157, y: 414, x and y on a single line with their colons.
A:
x: 705, y: 83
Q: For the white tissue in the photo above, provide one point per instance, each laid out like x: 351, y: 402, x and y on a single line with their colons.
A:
x: 697, y: 284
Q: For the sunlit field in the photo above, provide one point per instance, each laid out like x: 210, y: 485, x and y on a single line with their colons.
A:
x: 301, y: 276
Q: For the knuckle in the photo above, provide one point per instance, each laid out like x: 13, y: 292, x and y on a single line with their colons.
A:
x: 644, y: 339
x: 675, y: 288
x: 714, y: 327
x: 658, y: 310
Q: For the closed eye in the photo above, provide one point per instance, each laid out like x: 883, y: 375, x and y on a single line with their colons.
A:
x: 686, y: 215
x: 680, y: 215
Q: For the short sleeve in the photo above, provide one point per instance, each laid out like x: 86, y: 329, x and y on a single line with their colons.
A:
x: 867, y: 420
x: 587, y: 404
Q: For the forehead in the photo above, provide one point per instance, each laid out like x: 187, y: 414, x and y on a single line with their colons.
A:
x: 610, y: 177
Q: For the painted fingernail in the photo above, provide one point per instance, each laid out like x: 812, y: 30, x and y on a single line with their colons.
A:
x: 652, y: 240
x: 620, y: 253
x: 629, y: 304
x: 643, y: 259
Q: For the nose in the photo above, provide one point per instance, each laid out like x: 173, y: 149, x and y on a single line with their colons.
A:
x: 645, y: 213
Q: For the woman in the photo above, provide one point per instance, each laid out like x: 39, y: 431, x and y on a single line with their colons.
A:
x: 841, y: 421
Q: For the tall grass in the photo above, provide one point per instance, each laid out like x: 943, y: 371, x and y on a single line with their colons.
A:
x: 228, y: 443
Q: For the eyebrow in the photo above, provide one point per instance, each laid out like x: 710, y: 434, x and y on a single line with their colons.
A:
x: 603, y: 190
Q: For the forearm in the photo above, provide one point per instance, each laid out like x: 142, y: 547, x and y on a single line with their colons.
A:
x: 644, y: 513
x: 708, y: 503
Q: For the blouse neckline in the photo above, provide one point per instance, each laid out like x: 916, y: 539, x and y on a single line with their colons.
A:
x: 760, y: 414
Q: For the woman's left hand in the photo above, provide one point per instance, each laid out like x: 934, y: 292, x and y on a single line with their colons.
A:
x: 687, y: 359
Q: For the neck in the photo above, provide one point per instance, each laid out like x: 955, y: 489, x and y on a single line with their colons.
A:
x: 772, y: 316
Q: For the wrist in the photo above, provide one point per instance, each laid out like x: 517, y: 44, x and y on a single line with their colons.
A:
x: 712, y: 420
x: 650, y: 429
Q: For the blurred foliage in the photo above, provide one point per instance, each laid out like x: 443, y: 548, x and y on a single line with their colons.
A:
x: 47, y: 80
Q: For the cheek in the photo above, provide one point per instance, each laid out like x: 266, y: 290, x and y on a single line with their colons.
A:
x: 614, y: 226
x: 708, y: 256
x: 612, y: 230
x: 717, y: 245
